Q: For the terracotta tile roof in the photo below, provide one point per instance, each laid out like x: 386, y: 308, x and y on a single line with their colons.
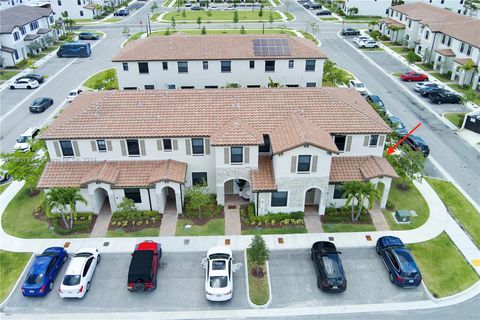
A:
x: 345, y: 168
x: 297, y: 131
x: 90, y: 6
x: 455, y: 25
x: 263, y: 178
x: 236, y: 132
x: 394, y: 23
x: 200, y: 112
x: 446, y: 52
x: 463, y: 61
x: 143, y: 173
x: 214, y: 47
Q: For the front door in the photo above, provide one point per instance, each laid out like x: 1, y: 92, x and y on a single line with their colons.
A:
x: 229, y: 187
x: 310, y: 196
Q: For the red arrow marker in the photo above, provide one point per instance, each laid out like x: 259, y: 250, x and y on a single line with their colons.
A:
x: 392, y: 149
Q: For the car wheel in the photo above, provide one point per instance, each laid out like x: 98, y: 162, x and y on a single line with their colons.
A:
x: 50, y: 286
x: 426, y: 79
x: 99, y: 258
x: 28, y: 87
x: 65, y: 258
x: 377, y: 248
x: 42, y: 109
x: 390, y: 276
x: 138, y: 287
x: 88, y: 287
x: 375, y: 47
x: 12, y: 87
x: 319, y: 284
x: 439, y: 102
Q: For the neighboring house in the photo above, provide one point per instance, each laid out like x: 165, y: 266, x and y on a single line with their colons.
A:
x: 448, y: 40
x: 4, y: 4
x: 82, y: 9
x: 24, y: 29
x: 187, y: 62
x: 291, y: 147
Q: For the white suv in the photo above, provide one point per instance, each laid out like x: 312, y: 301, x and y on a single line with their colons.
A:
x: 73, y: 94
x: 25, y: 140
x: 367, y: 44
x: 358, y: 85
x: 219, y: 274
x: 76, y: 281
x: 358, y: 39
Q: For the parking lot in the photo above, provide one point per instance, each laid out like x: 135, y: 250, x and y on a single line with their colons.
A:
x: 180, y: 287
x: 294, y: 281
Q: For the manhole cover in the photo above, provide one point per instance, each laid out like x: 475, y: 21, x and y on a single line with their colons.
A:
x: 186, y: 242
x: 106, y: 243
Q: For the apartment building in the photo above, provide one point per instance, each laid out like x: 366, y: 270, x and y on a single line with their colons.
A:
x: 447, y: 39
x: 81, y: 9
x: 21, y: 26
x: 291, y: 148
x: 187, y: 62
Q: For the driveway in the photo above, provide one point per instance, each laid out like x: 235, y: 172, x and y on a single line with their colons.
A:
x: 294, y: 281
x: 180, y: 287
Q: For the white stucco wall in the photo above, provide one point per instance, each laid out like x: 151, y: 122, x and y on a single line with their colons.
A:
x: 368, y: 7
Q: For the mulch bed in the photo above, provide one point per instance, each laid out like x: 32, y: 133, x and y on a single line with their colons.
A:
x: 39, y: 214
x: 134, y: 228
x: 347, y: 219
x: 257, y: 273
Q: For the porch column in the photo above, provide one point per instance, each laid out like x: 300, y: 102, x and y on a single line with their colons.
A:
x: 321, y: 203
x: 454, y: 73
x: 220, y: 194
x: 386, y: 190
x: 178, y: 198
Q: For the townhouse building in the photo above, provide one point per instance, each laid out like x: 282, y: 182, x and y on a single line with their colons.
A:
x: 448, y: 40
x: 283, y: 149
x: 21, y: 26
x: 82, y: 9
x: 212, y: 61
x: 4, y: 4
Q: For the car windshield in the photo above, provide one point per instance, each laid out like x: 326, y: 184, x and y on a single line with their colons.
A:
x: 37, y: 102
x: 22, y: 139
x: 218, y: 281
x: 72, y: 93
x: 332, y: 266
x: 219, y: 265
x: 418, y: 139
x: 35, y: 278
x: 71, y: 280
x: 406, y: 262
x: 359, y: 85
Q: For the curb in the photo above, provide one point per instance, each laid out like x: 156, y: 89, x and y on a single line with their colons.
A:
x: 249, y: 300
x: 22, y: 276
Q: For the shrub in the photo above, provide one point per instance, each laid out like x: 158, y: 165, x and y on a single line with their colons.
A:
x: 375, y: 34
x: 390, y: 205
x: 77, y: 227
x: 384, y: 37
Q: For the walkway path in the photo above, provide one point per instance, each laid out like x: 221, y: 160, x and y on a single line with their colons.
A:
x: 232, y: 221
x: 313, y: 222
x: 378, y: 220
x: 103, y: 220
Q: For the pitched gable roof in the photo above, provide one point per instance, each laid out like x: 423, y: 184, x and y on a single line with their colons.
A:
x: 263, y: 178
x: 236, y: 132
x: 360, y: 168
x: 20, y: 15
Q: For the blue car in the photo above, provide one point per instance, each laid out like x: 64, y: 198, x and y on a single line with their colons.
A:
x: 416, y: 143
x: 401, y: 267
x: 44, y: 270
x: 375, y: 100
x: 398, y: 126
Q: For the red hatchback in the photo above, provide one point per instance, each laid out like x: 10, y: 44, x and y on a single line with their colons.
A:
x: 413, y: 76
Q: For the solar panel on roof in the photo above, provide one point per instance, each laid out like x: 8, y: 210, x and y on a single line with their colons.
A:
x: 271, y: 47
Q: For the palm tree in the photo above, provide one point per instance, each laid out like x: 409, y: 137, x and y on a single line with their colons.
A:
x: 56, y: 200
x: 61, y: 198
x: 372, y: 24
x: 72, y: 196
x: 466, y: 68
x: 351, y: 191
x: 367, y: 192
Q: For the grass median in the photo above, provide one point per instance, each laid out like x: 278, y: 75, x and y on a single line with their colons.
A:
x: 11, y: 267
x: 214, y: 227
x: 103, y: 80
x: 456, y: 118
x: 258, y: 287
x: 205, y: 16
x: 444, y: 269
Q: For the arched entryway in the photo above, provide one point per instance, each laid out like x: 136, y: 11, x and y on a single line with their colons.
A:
x: 102, y: 202
x: 237, y: 191
x: 312, y: 202
x: 169, y: 199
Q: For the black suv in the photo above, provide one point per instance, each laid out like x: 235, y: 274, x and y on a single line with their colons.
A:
x: 444, y: 97
x: 425, y: 92
x: 416, y: 143
x: 32, y: 76
x: 328, y: 267
x: 350, y: 32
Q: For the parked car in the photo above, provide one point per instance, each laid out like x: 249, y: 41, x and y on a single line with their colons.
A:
x: 142, y: 273
x: 413, y: 76
x: 44, y: 270
x: 121, y: 13
x: 219, y: 274
x: 357, y: 85
x: 31, y: 76
x: 357, y: 39
x: 425, y: 92
x: 196, y: 8
x: 328, y: 267
x: 422, y: 85
x: 398, y: 126
x: 401, y: 267
x: 24, y: 141
x: 367, y: 44
x: 24, y: 83
x: 350, y: 32
x: 40, y: 104
x: 445, y: 97
x: 324, y: 13
x: 416, y: 143
x: 74, y: 50
x: 76, y: 281
x: 88, y: 36
x: 73, y: 94
x: 4, y: 176
x: 376, y: 101
x: 188, y: 5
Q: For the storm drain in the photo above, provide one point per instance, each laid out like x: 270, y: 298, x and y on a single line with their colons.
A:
x: 66, y: 245
x: 106, y: 244
x: 227, y: 242
x: 368, y: 237
x: 331, y: 238
x: 280, y: 240
x: 186, y: 242
x: 232, y: 207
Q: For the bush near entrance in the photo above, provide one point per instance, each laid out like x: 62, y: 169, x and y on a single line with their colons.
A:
x: 129, y: 219
x: 250, y: 221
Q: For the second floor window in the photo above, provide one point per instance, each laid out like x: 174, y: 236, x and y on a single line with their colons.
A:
x: 167, y: 144
x: 449, y: 42
x: 102, y: 146
x: 79, y: 2
x: 444, y: 38
x: 182, y: 66
x: 269, y: 66
x: 67, y: 148
x: 303, y: 163
x: 125, y: 66
x: 197, y: 145
x: 23, y: 30
x: 33, y: 25
x: 340, y: 142
x: 205, y: 65
x: 427, y: 33
x: 309, y: 65
x: 143, y: 67
x: 373, y: 140
x: 469, y: 50
x: 16, y: 36
x: 226, y: 66
x: 133, y: 147
x: 199, y: 178
x: 462, y: 47
x: 165, y: 65
x: 290, y: 64
x: 252, y: 64
x: 236, y: 154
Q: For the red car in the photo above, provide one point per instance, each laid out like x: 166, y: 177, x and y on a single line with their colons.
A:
x: 142, y: 273
x: 413, y: 76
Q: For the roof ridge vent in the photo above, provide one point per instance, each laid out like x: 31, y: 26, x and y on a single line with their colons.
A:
x: 236, y: 105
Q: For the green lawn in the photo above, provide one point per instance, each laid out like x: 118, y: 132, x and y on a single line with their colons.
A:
x: 459, y: 207
x: 424, y: 66
x: 444, y: 269
x: 347, y: 227
x: 396, y: 74
x: 246, y: 15
x: 309, y: 36
x: 329, y: 19
x: 277, y: 2
x: 154, y: 17
x: 11, y: 267
x: 258, y: 287
x: 461, y: 89
x: 112, y: 20
x: 455, y: 118
x: 442, y: 77
x: 286, y: 230
x: 215, y: 227
x: 3, y: 187
x: 410, y: 199
x: 24, y: 64
x: 80, y: 21
x: 108, y: 84
x: 6, y: 75
x: 290, y: 16
x: 149, y: 232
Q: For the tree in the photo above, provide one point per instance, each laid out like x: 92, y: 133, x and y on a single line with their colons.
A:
x: 470, y: 6
x: 466, y: 68
x: 242, y: 30
x: 199, y: 21
x: 258, y: 253
x: 352, y: 11
x: 204, y: 30
x: 197, y: 198
x: 56, y: 200
x: 235, y: 18
x: 270, y: 19
x: 24, y: 166
x: 372, y: 24
x: 314, y: 27
x: 368, y: 193
x: 232, y: 85
x: 351, y: 192
x: 127, y: 205
x: 335, y: 75
x: 154, y: 7
x: 72, y: 196
x: 173, y: 23
x: 184, y: 14
x: 469, y: 95
x: 70, y: 23
x: 260, y: 13
x: 409, y: 165
x: 34, y: 47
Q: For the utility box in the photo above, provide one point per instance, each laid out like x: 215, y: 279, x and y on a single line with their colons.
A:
x: 403, y: 216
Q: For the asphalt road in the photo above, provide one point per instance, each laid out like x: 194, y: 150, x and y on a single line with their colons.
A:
x: 181, y: 286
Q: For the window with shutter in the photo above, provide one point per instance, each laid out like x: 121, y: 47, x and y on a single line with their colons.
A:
x: 93, y: 143
x: 76, y: 149
x: 109, y: 145
x: 365, y: 141
x: 246, y: 155
x: 207, y: 146
x: 175, y: 144
x: 226, y: 156
x: 143, y: 150
x: 349, y: 143
x: 314, y: 163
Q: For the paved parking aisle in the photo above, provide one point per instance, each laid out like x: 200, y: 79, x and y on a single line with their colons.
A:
x: 294, y: 282
x: 180, y: 287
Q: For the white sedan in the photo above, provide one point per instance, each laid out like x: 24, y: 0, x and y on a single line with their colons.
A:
x: 73, y: 94
x: 358, y: 39
x: 219, y: 274
x: 76, y: 281
x: 24, y: 83
x: 357, y: 85
x: 367, y: 44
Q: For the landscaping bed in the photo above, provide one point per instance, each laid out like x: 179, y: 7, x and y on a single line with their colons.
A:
x: 83, y: 222
x: 456, y: 118
x: 7, y: 75
x: 258, y: 286
x: 135, y: 221
x: 11, y: 267
x: 444, y: 269
x: 119, y: 233
x: 340, y: 220
x: 244, y: 15
x: 103, y: 80
x: 271, y: 223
